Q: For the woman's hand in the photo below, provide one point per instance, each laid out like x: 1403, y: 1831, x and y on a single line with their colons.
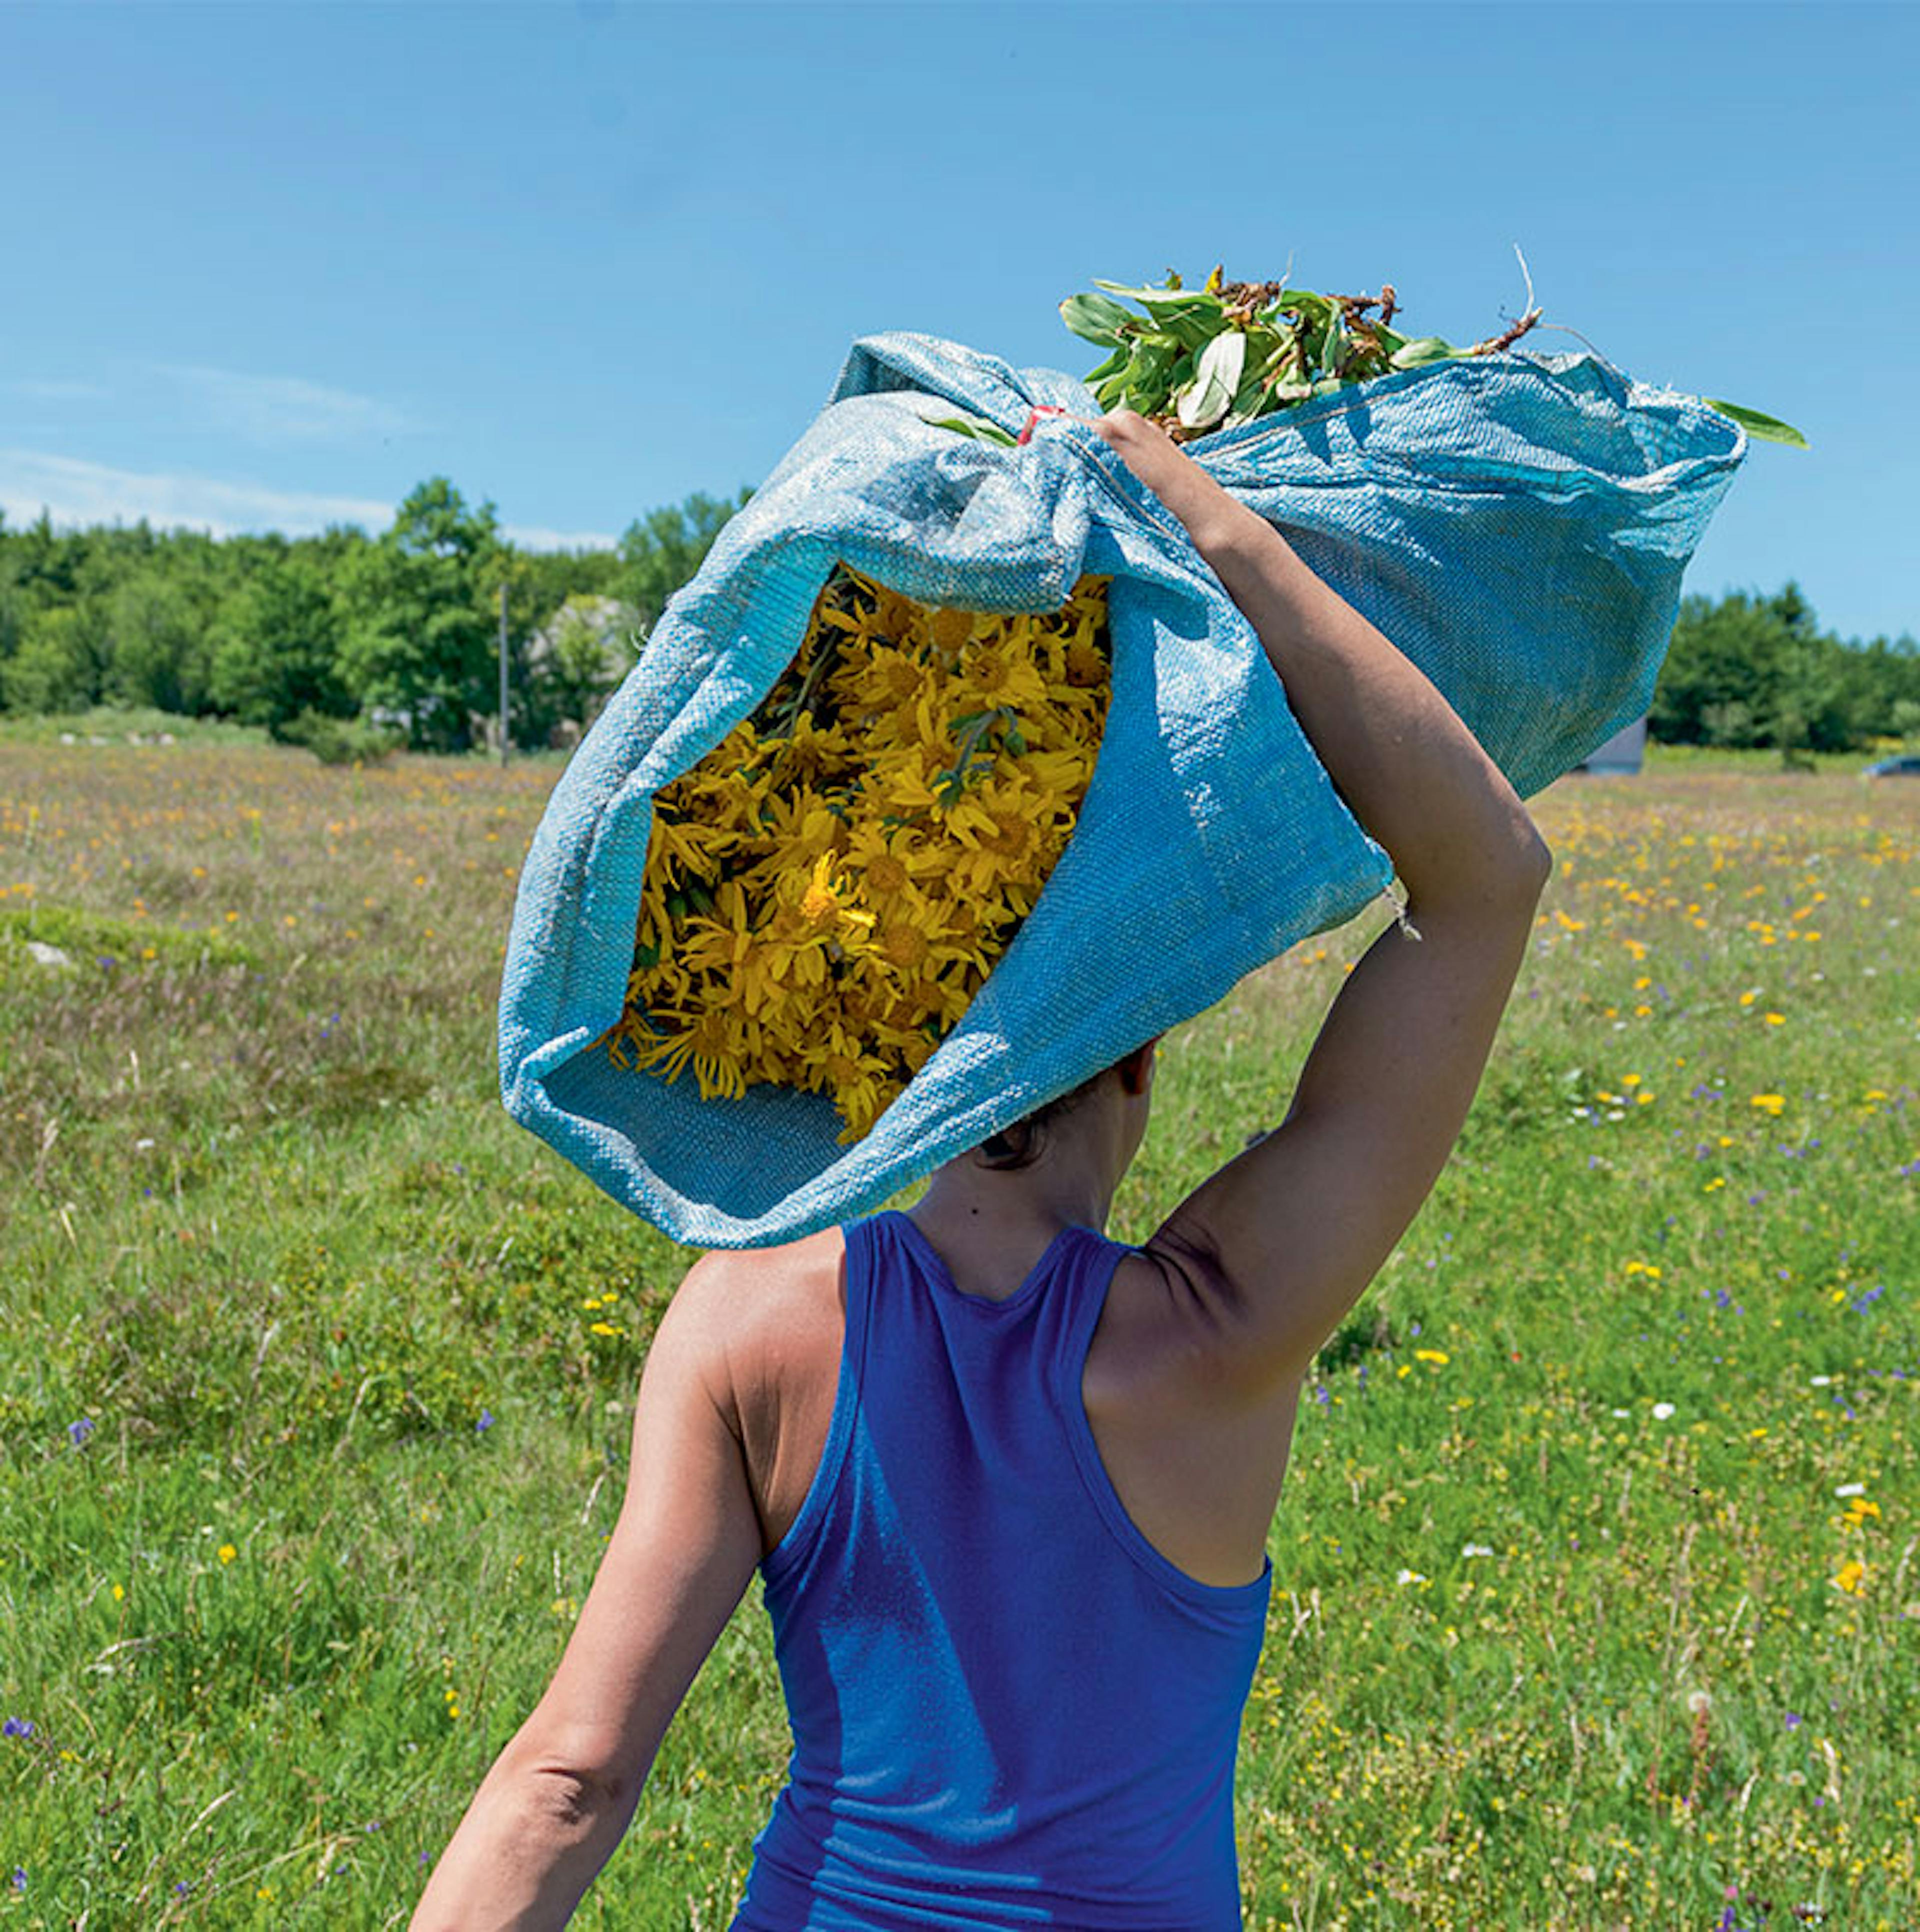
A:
x: 1213, y: 518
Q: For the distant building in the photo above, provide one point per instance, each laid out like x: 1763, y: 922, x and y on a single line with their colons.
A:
x: 1621, y: 755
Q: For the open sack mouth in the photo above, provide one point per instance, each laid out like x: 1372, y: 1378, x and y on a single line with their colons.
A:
x: 827, y: 890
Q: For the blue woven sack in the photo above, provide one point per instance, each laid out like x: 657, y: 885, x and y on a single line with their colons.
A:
x: 1517, y: 525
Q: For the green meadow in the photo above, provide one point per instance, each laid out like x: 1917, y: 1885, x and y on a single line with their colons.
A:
x: 1595, y: 1600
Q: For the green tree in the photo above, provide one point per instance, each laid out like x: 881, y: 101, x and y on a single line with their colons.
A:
x: 157, y: 638
x: 1721, y: 677
x: 582, y: 655
x: 277, y: 652
x: 661, y: 550
x: 420, y: 633
x: 61, y: 664
x: 14, y: 603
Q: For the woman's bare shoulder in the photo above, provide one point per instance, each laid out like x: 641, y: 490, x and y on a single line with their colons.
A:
x: 764, y: 1309
x: 768, y: 1323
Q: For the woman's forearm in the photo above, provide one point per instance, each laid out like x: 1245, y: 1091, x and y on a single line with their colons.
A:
x: 532, y: 1842
x: 1411, y: 771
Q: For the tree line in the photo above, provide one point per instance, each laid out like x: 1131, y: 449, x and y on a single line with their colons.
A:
x: 341, y: 638
x: 345, y: 640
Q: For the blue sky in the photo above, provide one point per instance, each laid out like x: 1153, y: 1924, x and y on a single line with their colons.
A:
x: 269, y: 266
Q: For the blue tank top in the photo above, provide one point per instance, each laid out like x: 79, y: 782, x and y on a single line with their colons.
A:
x: 1009, y: 1709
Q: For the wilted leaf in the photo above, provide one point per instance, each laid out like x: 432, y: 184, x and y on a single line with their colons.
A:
x: 1426, y: 348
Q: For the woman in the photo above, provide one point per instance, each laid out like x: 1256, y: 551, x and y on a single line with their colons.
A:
x: 1010, y: 1483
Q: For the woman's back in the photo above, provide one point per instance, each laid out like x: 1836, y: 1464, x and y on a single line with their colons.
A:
x: 1009, y: 1708
x: 1027, y: 1582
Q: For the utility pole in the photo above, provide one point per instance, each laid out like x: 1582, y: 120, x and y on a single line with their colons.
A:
x: 503, y: 673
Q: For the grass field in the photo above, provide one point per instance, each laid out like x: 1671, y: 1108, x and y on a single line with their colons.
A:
x: 1595, y: 1603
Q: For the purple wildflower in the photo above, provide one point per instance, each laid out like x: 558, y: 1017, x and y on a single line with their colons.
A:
x: 1794, y: 1720
x: 17, y: 1727
x: 77, y: 1432
x: 485, y: 1423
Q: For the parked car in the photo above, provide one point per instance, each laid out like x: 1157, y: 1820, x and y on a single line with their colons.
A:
x: 1906, y: 767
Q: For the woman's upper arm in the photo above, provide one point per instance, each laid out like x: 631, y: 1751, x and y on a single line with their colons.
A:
x: 1278, y: 1244
x: 685, y: 1546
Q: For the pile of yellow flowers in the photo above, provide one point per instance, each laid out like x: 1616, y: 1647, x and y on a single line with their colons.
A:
x: 828, y: 888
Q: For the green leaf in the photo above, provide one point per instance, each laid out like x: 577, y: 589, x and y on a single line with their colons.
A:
x: 1216, y: 379
x: 1150, y: 373
x: 1149, y: 298
x: 1426, y: 349
x: 1191, y: 316
x: 1095, y: 318
x: 978, y: 427
x: 1768, y: 429
x: 1112, y: 366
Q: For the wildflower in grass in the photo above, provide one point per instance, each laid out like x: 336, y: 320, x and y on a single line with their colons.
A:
x: 485, y: 1423
x: 1438, y: 1357
x: 1473, y: 1549
x: 1770, y: 1103
x: 1413, y: 1577
x: 227, y: 1553
x: 1794, y: 1720
x: 17, y: 1727
x: 19, y: 1878
x: 1662, y: 1411
x: 1851, y: 1577
x: 78, y: 1431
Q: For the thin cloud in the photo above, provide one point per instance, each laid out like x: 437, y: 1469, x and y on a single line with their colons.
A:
x: 283, y: 409
x: 41, y: 389
x: 530, y: 538
x: 72, y: 491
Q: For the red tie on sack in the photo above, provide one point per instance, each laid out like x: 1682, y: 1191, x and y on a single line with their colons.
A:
x: 1033, y: 416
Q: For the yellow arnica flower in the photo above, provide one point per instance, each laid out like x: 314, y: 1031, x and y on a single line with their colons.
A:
x: 827, y: 890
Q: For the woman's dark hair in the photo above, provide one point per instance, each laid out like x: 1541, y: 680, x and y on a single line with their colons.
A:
x: 1020, y: 1145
